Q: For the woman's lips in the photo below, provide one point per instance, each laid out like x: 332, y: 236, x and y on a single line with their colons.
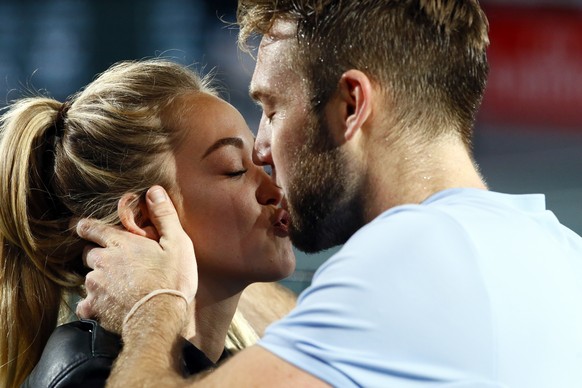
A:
x: 281, y: 222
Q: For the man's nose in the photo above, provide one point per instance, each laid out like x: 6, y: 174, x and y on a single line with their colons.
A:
x: 262, y: 155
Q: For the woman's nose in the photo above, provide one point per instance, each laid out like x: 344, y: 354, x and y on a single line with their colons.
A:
x: 268, y: 193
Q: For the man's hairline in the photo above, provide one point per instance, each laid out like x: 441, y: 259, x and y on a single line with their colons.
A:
x: 281, y: 29
x: 269, y: 38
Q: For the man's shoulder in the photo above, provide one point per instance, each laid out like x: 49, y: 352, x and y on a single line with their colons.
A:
x: 406, y: 224
x: 450, y: 215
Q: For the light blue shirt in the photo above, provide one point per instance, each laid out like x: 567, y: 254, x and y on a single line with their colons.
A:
x: 471, y: 288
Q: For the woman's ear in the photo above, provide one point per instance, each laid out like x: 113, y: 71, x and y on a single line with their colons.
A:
x: 136, y: 219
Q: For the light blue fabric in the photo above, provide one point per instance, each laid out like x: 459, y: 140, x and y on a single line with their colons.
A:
x: 471, y: 288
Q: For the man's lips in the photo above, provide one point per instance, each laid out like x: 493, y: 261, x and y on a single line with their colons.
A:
x: 281, y: 222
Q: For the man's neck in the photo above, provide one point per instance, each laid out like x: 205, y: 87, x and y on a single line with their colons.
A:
x: 398, y: 176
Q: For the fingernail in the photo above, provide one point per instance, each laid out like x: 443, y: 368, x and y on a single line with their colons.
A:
x: 157, y: 196
x: 79, y: 227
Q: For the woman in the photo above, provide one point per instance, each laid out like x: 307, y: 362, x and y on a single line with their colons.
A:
x: 136, y: 125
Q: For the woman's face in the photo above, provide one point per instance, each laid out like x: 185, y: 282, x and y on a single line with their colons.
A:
x: 228, y: 205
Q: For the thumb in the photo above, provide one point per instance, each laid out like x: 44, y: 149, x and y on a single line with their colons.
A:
x: 173, y: 239
x: 163, y: 214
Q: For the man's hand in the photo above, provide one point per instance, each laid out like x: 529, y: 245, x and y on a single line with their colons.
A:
x: 127, y: 266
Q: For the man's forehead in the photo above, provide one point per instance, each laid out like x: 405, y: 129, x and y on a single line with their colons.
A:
x: 282, y: 29
x: 274, y: 67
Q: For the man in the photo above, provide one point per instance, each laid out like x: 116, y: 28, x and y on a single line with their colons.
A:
x: 367, y: 114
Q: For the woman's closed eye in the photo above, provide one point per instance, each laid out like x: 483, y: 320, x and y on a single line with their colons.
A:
x: 237, y: 173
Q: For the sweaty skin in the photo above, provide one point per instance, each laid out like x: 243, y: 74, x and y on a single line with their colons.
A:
x: 228, y: 206
x: 151, y: 335
x: 358, y: 114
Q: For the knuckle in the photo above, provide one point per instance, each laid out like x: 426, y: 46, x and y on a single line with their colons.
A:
x: 97, y: 258
x: 91, y: 283
x: 113, y: 242
x: 164, y: 211
x: 84, y: 309
x: 185, y: 241
x: 89, y: 255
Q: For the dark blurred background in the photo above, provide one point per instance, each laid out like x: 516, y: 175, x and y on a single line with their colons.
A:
x: 528, y: 134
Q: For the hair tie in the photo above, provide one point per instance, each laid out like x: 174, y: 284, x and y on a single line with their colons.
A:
x: 149, y: 296
x: 60, y: 119
x: 52, y: 137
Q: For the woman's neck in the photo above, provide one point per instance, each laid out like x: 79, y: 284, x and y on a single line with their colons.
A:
x: 213, y: 313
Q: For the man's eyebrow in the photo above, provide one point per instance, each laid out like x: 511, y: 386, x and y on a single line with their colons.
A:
x: 259, y: 95
x: 255, y: 94
x: 226, y: 141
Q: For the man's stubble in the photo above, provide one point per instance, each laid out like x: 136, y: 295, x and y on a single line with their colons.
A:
x: 325, y: 195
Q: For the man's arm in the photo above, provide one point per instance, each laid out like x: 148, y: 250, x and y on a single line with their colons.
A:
x: 125, y: 268
x: 152, y: 344
x: 150, y: 353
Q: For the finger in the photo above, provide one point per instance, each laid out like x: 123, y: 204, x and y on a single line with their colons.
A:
x: 89, y: 253
x: 99, y: 233
x: 84, y: 310
x: 91, y: 283
x: 163, y: 214
x: 85, y: 306
x: 93, y: 231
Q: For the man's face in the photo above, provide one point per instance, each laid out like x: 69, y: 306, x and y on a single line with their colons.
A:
x: 322, y: 185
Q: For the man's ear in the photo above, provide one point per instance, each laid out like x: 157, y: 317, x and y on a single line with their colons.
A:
x: 136, y: 219
x: 356, y: 94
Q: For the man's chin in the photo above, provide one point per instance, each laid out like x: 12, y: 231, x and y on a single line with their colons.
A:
x: 313, y: 242
x: 326, y: 231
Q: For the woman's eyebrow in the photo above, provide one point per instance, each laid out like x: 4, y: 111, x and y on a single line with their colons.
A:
x: 226, y: 141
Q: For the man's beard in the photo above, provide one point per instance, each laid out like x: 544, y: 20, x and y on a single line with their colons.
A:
x: 325, y: 196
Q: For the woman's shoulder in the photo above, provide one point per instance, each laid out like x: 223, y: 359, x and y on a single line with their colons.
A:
x: 79, y: 352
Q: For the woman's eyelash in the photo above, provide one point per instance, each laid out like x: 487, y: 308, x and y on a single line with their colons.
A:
x: 236, y: 173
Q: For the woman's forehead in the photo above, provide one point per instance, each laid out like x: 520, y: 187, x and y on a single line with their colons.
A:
x: 205, y: 119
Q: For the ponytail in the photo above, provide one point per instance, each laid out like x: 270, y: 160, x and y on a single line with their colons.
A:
x: 63, y: 160
x: 34, y: 238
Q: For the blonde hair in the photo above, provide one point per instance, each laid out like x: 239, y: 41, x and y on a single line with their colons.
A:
x: 241, y: 333
x: 60, y: 161
x: 260, y: 305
